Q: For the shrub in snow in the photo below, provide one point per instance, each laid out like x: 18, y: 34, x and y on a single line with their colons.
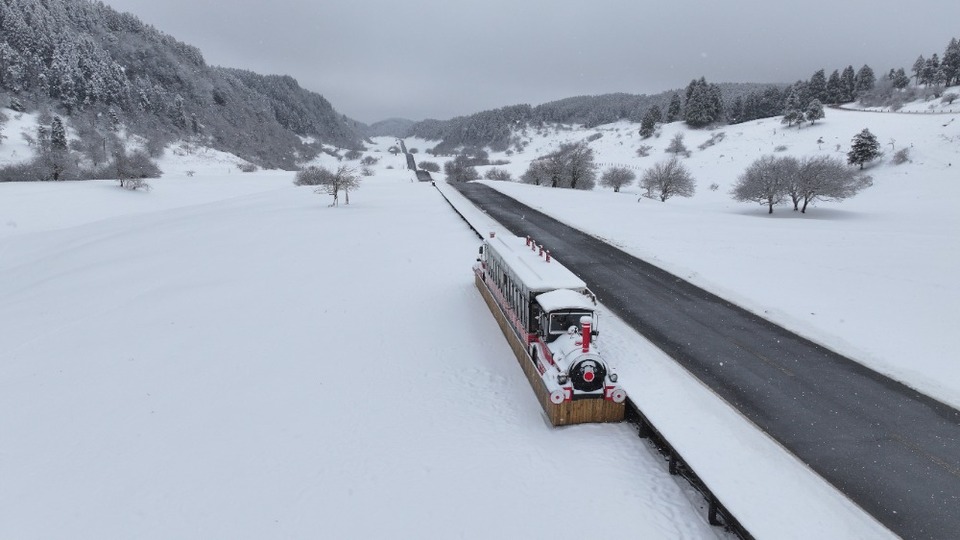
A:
x: 666, y: 179
x: 429, y: 166
x: 368, y: 161
x: 247, y: 167
x: 949, y: 98
x: 353, y: 154
x: 780, y: 148
x: 714, y: 186
x: 366, y: 171
x: 677, y: 147
x: 460, y: 169
x: 644, y: 150
x: 498, y: 174
x: 135, y: 184
x: 714, y: 139
x: 901, y: 156
x: 594, y: 137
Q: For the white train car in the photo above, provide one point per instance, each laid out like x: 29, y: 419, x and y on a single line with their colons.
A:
x: 549, y: 312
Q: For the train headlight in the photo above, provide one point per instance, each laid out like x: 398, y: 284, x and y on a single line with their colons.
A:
x: 562, y: 378
x: 613, y: 377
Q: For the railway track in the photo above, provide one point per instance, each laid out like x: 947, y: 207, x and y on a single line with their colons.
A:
x: 893, y: 451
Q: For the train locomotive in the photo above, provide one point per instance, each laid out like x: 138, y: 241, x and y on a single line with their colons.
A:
x: 551, y: 313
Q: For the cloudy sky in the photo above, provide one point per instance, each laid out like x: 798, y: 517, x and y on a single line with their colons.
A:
x: 416, y: 59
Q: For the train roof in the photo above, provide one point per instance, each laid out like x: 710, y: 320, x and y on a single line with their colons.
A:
x: 564, y: 299
x: 532, y: 269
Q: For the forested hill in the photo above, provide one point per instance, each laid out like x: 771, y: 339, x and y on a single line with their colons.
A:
x: 493, y: 128
x: 85, y: 60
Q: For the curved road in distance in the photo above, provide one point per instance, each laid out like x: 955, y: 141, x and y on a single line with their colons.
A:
x: 892, y: 450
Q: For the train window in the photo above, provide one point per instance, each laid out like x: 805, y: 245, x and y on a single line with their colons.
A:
x: 562, y: 320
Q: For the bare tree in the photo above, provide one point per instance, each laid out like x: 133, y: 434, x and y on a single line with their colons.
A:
x: 344, y: 179
x: 571, y: 166
x: 537, y: 174
x: 666, y: 179
x: 763, y: 181
x: 617, y: 177
x: 460, y: 169
x: 828, y: 179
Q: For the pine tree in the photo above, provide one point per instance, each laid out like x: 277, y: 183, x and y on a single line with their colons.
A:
x: 818, y: 86
x: 792, y: 113
x: 675, y: 109
x: 58, y: 135
x: 864, y: 148
x: 918, y: 69
x: 930, y: 69
x: 649, y: 123
x: 899, y: 79
x: 865, y: 80
x: 951, y: 63
x: 848, y: 85
x: 834, y: 91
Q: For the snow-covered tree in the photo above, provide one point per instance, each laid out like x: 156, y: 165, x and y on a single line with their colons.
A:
x: 675, y: 110
x: 951, y: 63
x: 649, y: 123
x: 460, y: 169
x: 848, y: 85
x: 814, y: 111
x: 617, y: 177
x: 899, y: 78
x: 764, y: 181
x: 676, y: 146
x: 817, y: 86
x: 792, y: 111
x: 824, y: 178
x: 834, y: 88
x: 864, y: 148
x: 917, y: 69
x: 865, y: 80
x: 328, y: 182
x: 666, y: 179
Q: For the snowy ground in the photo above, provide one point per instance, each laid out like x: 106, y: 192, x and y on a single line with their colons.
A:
x: 226, y: 356
x: 874, y: 277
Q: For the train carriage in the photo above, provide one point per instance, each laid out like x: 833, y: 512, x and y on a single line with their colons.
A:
x: 549, y: 315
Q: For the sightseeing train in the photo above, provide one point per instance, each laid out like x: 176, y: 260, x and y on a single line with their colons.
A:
x: 552, y: 314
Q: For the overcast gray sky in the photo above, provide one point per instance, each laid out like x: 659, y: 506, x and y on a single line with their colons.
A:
x: 375, y: 59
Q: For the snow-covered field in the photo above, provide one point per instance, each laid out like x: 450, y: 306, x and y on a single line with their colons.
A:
x: 874, y: 277
x: 226, y: 356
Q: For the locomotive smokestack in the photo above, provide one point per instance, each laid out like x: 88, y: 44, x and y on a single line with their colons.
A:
x: 585, y: 324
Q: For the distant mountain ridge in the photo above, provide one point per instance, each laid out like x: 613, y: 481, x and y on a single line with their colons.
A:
x: 86, y: 59
x: 391, y: 127
x: 494, y: 128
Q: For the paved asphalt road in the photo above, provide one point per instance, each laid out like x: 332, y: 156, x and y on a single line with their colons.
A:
x: 892, y: 450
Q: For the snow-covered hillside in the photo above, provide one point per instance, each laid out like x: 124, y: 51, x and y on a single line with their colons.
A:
x: 874, y: 277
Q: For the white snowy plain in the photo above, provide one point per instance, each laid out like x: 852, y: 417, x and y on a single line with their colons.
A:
x: 227, y: 356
